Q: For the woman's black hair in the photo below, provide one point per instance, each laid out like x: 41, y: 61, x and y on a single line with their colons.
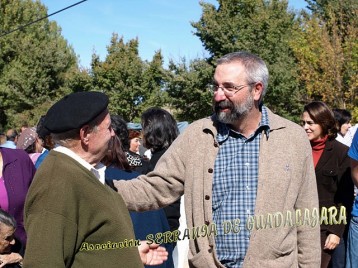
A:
x: 342, y: 116
x: 116, y: 153
x: 119, y: 126
x: 159, y: 129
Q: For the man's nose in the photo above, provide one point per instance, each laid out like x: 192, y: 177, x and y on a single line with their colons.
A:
x: 219, y: 95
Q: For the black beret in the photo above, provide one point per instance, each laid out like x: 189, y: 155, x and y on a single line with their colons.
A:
x: 75, y: 110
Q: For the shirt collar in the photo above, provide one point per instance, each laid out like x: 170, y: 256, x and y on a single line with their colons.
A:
x: 97, y: 170
x: 224, y: 129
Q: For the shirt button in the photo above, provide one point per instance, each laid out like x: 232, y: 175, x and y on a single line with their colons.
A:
x: 207, y: 222
x: 207, y: 197
x: 210, y: 170
x: 210, y: 250
x: 216, y: 144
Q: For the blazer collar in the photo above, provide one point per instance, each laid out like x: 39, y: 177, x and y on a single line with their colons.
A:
x: 326, y: 155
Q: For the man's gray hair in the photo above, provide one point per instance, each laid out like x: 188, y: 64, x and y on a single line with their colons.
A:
x: 7, y: 219
x: 255, y: 67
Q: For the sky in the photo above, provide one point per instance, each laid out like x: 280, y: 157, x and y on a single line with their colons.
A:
x: 158, y: 24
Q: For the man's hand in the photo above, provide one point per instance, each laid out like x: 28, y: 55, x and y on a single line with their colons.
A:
x: 332, y: 242
x: 9, y: 258
x: 152, y: 254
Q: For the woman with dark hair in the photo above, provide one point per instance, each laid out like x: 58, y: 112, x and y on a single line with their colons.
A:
x: 332, y: 167
x: 343, y: 119
x: 118, y: 168
x: 159, y: 130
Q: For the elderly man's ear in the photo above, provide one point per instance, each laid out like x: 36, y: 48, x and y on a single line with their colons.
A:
x: 85, y: 134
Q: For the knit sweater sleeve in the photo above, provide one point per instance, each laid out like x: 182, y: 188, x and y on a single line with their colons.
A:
x: 51, y: 240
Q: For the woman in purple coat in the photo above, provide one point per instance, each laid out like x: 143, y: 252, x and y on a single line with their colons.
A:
x: 16, y: 173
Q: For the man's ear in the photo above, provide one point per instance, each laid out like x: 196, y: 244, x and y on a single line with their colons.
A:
x: 84, y: 134
x: 258, y: 90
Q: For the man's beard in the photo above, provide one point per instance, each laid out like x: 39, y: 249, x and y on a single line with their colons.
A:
x: 236, y: 110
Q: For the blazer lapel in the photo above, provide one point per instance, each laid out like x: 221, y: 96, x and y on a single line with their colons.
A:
x: 326, y: 155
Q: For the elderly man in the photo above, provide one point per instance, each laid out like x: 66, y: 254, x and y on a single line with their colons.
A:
x: 9, y: 248
x: 72, y: 218
x: 248, y: 178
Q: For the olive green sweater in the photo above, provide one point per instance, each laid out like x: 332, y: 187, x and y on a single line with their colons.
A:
x: 73, y: 220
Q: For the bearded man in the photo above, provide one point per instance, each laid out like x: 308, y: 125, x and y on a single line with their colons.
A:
x: 242, y: 162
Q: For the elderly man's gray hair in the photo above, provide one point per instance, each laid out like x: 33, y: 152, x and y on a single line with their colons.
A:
x: 7, y: 219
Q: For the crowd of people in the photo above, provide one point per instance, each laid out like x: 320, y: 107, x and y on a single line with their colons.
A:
x: 75, y: 190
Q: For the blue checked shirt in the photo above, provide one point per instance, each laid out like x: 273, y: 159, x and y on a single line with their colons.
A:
x: 234, y: 190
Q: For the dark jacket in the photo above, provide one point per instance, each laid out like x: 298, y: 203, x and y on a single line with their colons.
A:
x: 173, y: 210
x: 334, y: 183
x: 18, y: 172
x: 147, y: 222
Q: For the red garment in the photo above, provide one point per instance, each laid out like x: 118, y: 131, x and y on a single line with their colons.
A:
x: 317, y: 149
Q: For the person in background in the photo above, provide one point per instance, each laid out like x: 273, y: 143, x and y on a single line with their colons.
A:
x: 69, y: 207
x: 118, y: 168
x: 16, y: 174
x: 10, y: 255
x: 352, y: 243
x: 11, y: 139
x: 30, y: 143
x: 239, y: 163
x: 47, y: 144
x: 159, y: 130
x: 24, y: 126
x: 343, y: 118
x: 133, y: 156
x: 334, y: 183
x: 2, y: 138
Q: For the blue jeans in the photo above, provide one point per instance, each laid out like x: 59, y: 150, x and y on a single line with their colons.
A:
x: 352, y: 244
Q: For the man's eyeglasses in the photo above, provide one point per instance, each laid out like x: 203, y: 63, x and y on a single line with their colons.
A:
x: 229, y: 90
x: 303, y: 123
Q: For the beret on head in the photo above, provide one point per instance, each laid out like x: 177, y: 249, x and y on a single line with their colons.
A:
x: 75, y: 110
x: 26, y: 138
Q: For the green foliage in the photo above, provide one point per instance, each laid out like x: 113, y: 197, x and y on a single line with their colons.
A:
x: 33, y: 62
x: 327, y: 52
x: 131, y: 83
x: 263, y: 28
x: 186, y: 87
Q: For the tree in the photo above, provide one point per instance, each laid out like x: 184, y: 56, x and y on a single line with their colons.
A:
x: 131, y: 83
x: 327, y: 52
x: 263, y: 27
x: 33, y: 61
x: 186, y: 87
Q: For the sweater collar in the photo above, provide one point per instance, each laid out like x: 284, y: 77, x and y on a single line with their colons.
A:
x: 318, y: 145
